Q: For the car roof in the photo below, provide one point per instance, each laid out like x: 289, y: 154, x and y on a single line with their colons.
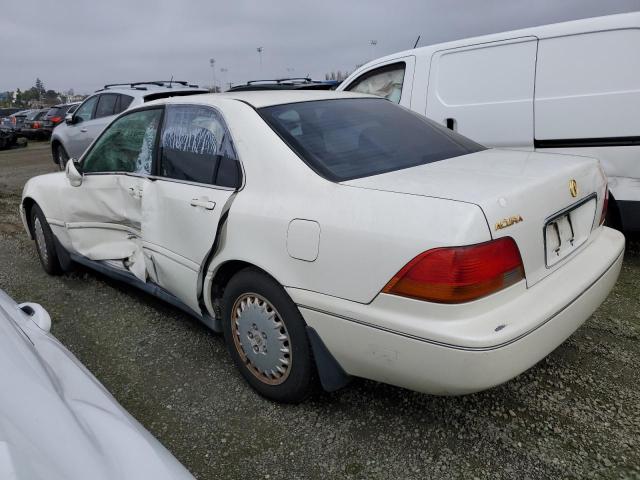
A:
x: 266, y: 98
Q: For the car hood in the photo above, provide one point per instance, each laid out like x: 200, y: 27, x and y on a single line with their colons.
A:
x: 57, y: 422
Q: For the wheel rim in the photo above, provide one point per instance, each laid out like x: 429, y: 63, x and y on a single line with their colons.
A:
x: 62, y: 157
x: 40, y: 241
x: 261, y: 338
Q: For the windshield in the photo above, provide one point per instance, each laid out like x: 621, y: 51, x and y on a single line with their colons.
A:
x: 343, y: 139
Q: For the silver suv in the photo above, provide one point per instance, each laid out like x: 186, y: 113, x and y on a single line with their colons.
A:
x: 71, y: 138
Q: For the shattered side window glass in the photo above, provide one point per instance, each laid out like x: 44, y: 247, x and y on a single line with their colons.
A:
x: 126, y: 146
x: 196, y: 146
x: 384, y: 82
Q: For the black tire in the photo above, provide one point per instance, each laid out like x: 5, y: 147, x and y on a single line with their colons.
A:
x: 61, y: 157
x: 300, y: 378
x: 45, y: 244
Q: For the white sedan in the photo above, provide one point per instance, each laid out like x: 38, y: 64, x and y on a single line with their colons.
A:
x: 331, y: 235
x: 57, y: 422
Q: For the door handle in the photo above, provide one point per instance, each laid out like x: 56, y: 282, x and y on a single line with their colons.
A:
x: 206, y: 204
x: 83, y: 130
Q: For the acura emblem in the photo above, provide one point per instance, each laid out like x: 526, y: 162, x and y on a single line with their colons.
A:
x: 573, y: 188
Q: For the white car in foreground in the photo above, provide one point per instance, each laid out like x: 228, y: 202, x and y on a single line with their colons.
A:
x: 57, y: 422
x: 337, y: 233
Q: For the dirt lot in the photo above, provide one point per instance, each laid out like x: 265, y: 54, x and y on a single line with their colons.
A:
x: 574, y: 415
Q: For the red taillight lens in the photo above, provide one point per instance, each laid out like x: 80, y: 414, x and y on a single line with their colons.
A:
x: 459, y: 274
x: 35, y: 125
x: 55, y: 119
x: 13, y: 120
x: 605, y: 205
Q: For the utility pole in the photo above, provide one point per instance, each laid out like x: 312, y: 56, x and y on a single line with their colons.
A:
x: 259, y: 50
x: 223, y: 77
x: 373, y: 44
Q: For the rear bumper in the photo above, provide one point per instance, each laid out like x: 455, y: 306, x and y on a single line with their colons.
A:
x: 450, y: 350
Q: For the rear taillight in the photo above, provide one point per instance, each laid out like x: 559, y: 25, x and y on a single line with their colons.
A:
x: 13, y: 120
x: 605, y: 205
x: 459, y: 274
x: 55, y: 119
x: 35, y: 125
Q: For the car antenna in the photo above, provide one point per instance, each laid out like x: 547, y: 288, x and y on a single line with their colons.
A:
x: 170, y: 81
x: 417, y: 40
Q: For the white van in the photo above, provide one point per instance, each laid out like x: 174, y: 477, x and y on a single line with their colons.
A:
x: 570, y: 87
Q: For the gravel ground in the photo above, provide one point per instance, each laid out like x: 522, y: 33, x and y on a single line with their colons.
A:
x: 574, y: 415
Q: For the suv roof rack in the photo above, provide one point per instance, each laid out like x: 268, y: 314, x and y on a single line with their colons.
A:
x: 140, y: 85
x: 283, y: 80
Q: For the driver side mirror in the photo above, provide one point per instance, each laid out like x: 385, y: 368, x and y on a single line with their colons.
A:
x: 72, y: 171
x: 68, y: 119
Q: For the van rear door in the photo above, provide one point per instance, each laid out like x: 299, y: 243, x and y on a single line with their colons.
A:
x: 485, y: 91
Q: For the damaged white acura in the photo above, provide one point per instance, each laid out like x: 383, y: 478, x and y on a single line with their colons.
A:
x: 331, y: 235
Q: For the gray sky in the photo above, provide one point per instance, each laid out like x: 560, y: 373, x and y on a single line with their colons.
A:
x: 84, y: 44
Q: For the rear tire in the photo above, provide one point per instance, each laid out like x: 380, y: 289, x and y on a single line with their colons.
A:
x: 61, y: 157
x: 266, y: 337
x: 45, y: 243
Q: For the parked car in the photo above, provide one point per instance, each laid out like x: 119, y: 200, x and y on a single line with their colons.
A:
x: 71, y: 138
x: 303, y: 83
x: 337, y: 232
x: 33, y: 126
x: 57, y: 114
x: 15, y: 121
x: 56, y: 420
x: 5, y: 112
x: 8, y: 138
x: 581, y: 78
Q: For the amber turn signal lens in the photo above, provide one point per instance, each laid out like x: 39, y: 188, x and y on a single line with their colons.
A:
x: 459, y: 274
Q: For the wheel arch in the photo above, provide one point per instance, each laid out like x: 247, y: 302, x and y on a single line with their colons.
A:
x: 27, y: 206
x: 330, y: 372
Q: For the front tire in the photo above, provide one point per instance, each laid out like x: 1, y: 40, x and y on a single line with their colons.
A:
x: 266, y: 337
x: 45, y: 243
x: 61, y: 156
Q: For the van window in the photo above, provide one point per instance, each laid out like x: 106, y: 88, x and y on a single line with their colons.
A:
x: 588, y: 86
x: 384, y: 82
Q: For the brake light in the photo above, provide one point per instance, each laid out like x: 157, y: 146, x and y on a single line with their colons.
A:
x: 56, y: 119
x: 13, y: 120
x: 605, y: 205
x: 35, y: 125
x: 459, y: 274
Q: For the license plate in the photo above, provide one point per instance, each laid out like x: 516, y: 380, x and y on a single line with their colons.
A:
x: 565, y: 232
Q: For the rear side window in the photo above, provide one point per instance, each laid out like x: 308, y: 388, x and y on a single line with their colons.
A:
x: 106, y: 105
x: 384, y: 82
x: 85, y: 111
x: 354, y: 138
x: 196, y: 147
x: 123, y: 103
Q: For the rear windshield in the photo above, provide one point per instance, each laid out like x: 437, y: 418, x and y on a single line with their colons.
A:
x: 54, y: 111
x: 343, y: 139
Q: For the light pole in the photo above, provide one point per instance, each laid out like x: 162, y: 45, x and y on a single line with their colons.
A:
x: 223, y: 75
x: 212, y: 63
x: 259, y: 50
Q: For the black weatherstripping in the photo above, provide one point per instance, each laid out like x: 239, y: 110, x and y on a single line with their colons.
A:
x: 587, y: 142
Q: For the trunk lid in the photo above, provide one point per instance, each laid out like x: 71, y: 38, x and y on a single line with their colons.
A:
x: 524, y: 195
